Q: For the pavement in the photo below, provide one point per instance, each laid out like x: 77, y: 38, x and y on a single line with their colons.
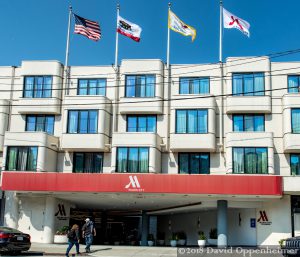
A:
x: 39, y: 249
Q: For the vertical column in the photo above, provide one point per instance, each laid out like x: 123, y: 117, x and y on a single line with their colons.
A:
x: 49, y: 220
x: 222, y: 223
x: 145, y: 229
x: 11, y: 216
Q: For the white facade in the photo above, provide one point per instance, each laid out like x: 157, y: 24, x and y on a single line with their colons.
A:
x: 56, y: 152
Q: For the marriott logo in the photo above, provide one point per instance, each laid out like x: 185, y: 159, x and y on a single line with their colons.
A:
x: 263, y: 218
x: 134, y: 184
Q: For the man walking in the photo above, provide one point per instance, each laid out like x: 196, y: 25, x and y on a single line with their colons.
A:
x: 88, y: 232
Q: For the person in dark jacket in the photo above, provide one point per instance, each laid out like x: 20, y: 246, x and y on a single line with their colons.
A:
x: 88, y: 233
x: 74, y: 238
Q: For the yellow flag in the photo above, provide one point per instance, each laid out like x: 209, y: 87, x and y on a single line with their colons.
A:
x: 179, y: 26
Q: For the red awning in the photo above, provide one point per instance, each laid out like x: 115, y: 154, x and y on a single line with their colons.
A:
x: 264, y: 185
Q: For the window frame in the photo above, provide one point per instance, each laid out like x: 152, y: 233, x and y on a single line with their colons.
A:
x: 17, y: 156
x: 194, y: 78
x: 84, y: 157
x: 244, y: 149
x: 291, y: 155
x: 79, y: 118
x: 250, y: 114
x: 141, y: 115
x: 88, y: 86
x: 298, y: 88
x: 187, y: 127
x: 35, y: 77
x: 127, y: 159
x: 244, y: 74
x: 135, y: 87
x: 292, y: 127
x: 189, y: 162
x: 35, y: 123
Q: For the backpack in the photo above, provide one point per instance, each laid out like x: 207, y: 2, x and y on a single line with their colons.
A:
x: 71, y: 234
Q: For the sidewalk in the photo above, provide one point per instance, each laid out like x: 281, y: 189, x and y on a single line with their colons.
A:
x: 38, y: 249
x: 103, y: 250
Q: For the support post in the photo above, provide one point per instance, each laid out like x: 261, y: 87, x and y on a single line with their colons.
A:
x: 145, y: 228
x: 222, y: 223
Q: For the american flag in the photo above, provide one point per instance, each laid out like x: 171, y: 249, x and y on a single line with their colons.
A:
x: 88, y: 28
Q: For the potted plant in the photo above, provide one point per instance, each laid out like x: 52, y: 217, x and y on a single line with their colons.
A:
x: 173, y: 240
x: 213, y: 236
x: 201, y: 239
x: 160, y: 238
x: 60, y: 236
x: 150, y: 240
x: 282, y: 243
x: 181, y: 238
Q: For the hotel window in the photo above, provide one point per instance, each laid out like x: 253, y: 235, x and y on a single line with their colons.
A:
x: 87, y: 162
x: 248, y: 84
x: 248, y: 122
x: 83, y: 122
x: 91, y: 87
x: 133, y: 159
x: 140, y: 86
x: 40, y: 123
x: 37, y: 87
x: 191, y: 121
x: 295, y: 164
x: 293, y: 83
x: 141, y: 123
x: 194, y: 86
x: 295, y: 121
x: 21, y: 158
x: 193, y: 163
x: 250, y: 160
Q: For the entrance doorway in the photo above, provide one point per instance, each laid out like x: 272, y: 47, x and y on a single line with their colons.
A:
x: 113, y: 227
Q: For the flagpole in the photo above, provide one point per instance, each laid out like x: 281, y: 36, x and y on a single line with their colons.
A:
x: 221, y: 80
x: 221, y: 32
x: 117, y: 79
x: 67, y: 52
x: 167, y: 88
x: 117, y: 38
x: 168, y: 43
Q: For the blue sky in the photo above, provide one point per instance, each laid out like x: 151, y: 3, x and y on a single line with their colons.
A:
x: 37, y: 29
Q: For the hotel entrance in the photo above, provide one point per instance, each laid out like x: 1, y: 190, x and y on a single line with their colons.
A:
x: 113, y: 227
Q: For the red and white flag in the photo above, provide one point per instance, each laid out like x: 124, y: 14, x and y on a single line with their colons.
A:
x: 231, y: 21
x: 129, y: 29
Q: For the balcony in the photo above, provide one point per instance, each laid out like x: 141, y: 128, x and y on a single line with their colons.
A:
x: 248, y: 104
x: 291, y: 184
x: 193, y: 142
x: 249, y: 139
x: 31, y: 139
x: 87, y: 102
x: 47, y: 147
x: 85, y: 142
x: 141, y: 105
x: 38, y: 106
x: 137, y: 139
x: 291, y: 101
x: 194, y: 102
x: 291, y: 143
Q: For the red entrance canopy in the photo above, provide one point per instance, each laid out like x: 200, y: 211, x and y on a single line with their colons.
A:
x: 262, y: 185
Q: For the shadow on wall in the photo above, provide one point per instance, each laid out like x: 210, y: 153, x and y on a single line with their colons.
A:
x: 11, y: 210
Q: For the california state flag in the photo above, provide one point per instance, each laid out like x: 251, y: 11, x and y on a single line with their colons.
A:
x: 129, y: 29
x: 231, y: 21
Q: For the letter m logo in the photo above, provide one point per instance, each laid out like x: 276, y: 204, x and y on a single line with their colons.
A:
x: 133, y: 182
x: 61, y: 210
x: 263, y: 216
